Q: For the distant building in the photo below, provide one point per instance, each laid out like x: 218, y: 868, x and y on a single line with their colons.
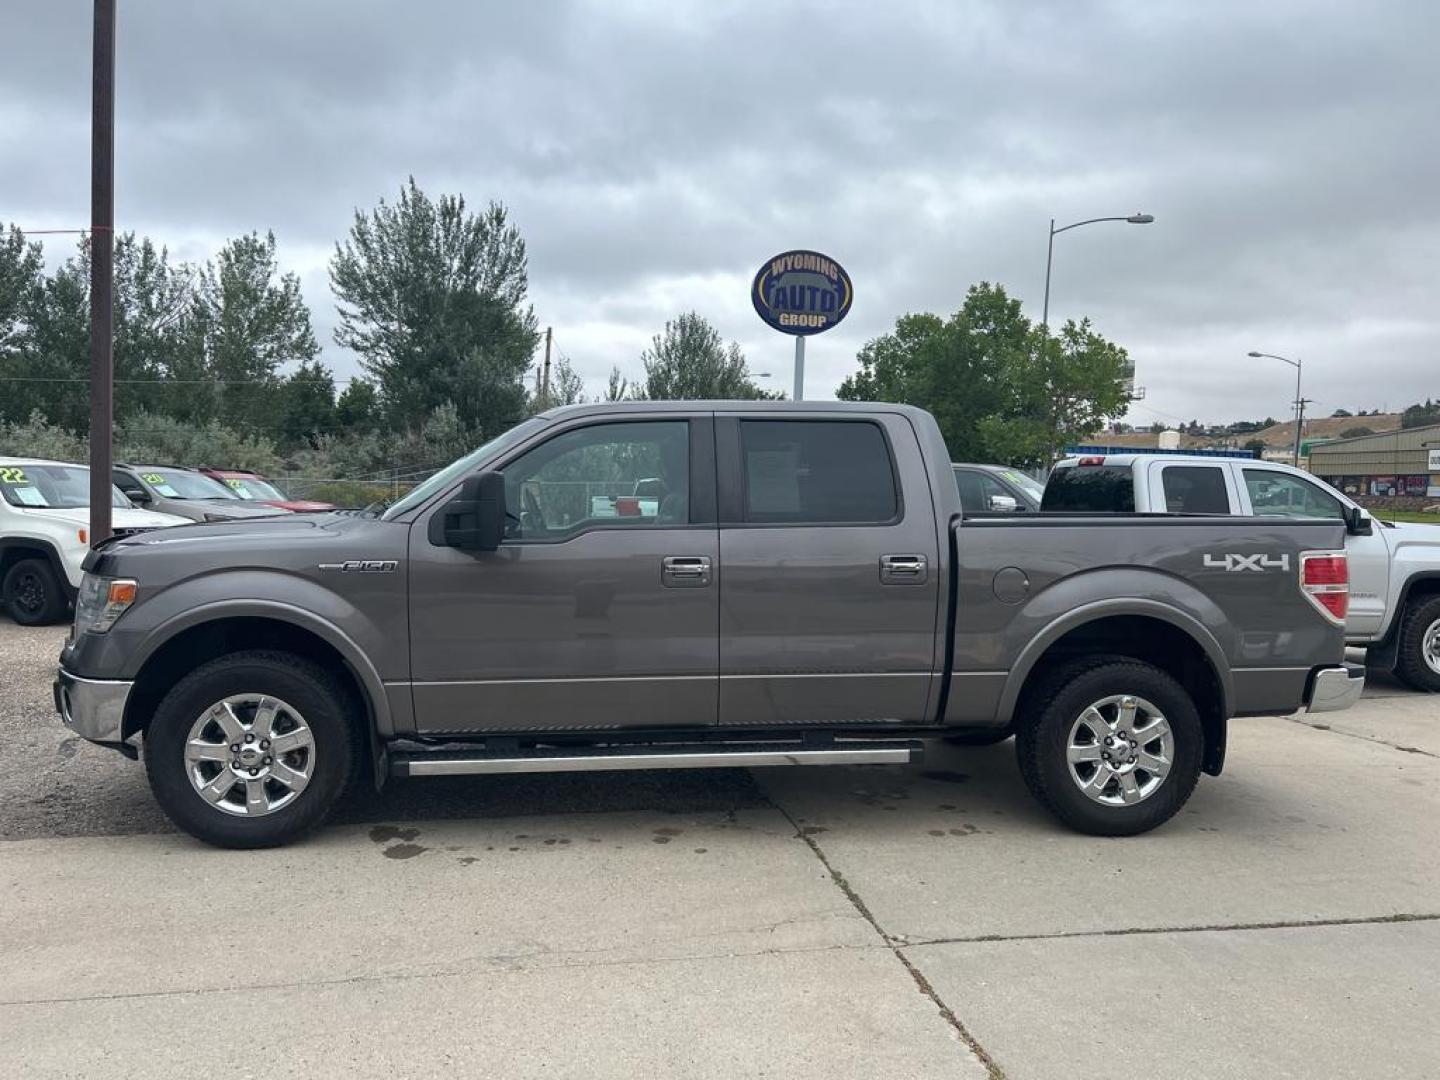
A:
x: 1394, y: 463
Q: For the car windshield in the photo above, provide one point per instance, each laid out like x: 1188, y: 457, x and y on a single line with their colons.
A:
x: 179, y: 484
x: 55, y: 487
x: 252, y: 487
x: 457, y: 469
x: 1029, y: 485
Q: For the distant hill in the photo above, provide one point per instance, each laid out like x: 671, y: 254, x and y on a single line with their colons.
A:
x: 1277, y: 436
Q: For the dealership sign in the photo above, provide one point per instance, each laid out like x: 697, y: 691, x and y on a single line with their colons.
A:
x: 1434, y: 465
x: 802, y: 292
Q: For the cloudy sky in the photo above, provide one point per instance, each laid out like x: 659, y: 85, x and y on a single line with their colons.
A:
x: 654, y: 154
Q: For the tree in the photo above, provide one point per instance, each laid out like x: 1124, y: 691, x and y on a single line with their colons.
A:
x: 1255, y: 446
x: 357, y: 409
x: 432, y: 297
x: 1421, y: 415
x: 618, y: 388
x: 251, y: 321
x: 566, y: 387
x: 689, y: 361
x: 1000, y: 388
x: 1356, y: 432
x: 307, y: 404
x: 1341, y: 413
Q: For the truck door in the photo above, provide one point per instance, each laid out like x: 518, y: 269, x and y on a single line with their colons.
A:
x: 1273, y: 492
x: 600, y: 607
x: 829, y: 570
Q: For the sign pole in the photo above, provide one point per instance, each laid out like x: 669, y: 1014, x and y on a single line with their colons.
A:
x: 102, y: 240
x: 799, y: 367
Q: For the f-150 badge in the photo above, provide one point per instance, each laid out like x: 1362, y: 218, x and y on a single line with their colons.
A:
x: 1233, y: 562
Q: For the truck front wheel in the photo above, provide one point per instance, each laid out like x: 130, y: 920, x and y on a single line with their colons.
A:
x: 1114, y: 747
x: 251, y: 750
x: 1418, y: 658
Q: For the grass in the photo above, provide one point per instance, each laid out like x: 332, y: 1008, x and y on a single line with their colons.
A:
x: 1407, y: 515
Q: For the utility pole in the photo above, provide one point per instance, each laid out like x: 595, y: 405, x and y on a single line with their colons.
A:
x: 545, y: 379
x: 1300, y: 403
x: 102, y: 267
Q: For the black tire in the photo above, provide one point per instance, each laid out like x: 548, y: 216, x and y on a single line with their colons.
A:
x: 1058, y: 704
x: 315, y: 693
x: 1420, y: 618
x: 33, y: 595
x: 979, y: 736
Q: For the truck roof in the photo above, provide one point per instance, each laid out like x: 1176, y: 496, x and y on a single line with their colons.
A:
x: 618, y: 407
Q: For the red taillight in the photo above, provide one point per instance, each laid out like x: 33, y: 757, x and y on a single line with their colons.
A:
x: 1092, y: 461
x: 1325, y: 579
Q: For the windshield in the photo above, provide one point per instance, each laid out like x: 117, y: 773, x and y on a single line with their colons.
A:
x: 55, y: 487
x: 252, y: 487
x: 1029, y: 485
x: 457, y: 469
x: 178, y: 484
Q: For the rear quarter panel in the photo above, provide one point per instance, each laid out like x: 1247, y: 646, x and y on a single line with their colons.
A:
x: 1261, y: 633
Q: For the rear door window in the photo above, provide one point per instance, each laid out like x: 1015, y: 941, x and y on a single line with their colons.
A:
x: 1195, y: 489
x: 1089, y: 489
x: 817, y: 472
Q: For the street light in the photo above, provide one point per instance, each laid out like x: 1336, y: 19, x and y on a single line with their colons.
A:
x: 1133, y: 219
x: 1299, y: 401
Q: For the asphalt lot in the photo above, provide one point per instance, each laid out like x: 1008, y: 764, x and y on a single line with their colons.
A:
x: 859, y: 922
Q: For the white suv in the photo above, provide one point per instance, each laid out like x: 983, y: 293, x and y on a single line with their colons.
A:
x: 44, y: 535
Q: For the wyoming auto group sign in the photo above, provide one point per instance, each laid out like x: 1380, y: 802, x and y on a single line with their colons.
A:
x: 802, y: 292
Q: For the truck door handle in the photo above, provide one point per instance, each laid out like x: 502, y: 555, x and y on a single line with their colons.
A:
x: 903, y: 569
x: 685, y: 571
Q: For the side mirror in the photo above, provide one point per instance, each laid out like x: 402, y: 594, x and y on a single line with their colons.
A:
x: 475, y: 519
x: 1004, y: 504
x: 139, y: 496
x: 1358, y: 522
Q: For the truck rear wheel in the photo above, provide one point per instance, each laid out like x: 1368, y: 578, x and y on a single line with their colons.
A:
x: 32, y: 593
x: 1418, y: 658
x: 251, y: 750
x: 1114, y: 748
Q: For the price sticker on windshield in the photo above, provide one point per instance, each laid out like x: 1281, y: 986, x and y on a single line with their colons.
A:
x: 9, y: 474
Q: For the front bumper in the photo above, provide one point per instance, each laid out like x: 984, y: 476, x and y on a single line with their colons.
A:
x: 92, y: 708
x: 1335, y: 688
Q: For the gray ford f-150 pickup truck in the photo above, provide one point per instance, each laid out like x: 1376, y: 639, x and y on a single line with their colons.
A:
x: 643, y: 585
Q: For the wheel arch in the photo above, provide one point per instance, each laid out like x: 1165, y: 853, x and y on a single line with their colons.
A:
x: 15, y: 548
x: 1135, y: 629
x: 213, y: 631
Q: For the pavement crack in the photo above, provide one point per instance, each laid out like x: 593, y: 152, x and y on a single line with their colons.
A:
x: 992, y: 1068
x: 1290, y: 924
x: 1359, y: 735
x: 498, y: 964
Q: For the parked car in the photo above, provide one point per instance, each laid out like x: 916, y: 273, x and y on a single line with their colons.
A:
x: 187, y: 493
x: 44, y: 535
x: 817, y: 597
x: 1394, y: 567
x: 252, y: 487
x: 997, y: 488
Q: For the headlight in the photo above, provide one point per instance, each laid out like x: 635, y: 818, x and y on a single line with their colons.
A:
x: 102, y: 600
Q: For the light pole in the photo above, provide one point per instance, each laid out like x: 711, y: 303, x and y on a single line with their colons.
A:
x: 1299, y: 401
x: 1133, y: 219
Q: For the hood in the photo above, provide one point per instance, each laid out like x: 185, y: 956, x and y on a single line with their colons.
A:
x: 120, y: 517
x: 234, y: 509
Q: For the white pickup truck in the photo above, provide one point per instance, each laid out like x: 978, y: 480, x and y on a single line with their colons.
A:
x: 1394, y: 567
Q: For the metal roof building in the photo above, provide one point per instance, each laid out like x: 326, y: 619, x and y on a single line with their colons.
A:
x: 1405, y: 462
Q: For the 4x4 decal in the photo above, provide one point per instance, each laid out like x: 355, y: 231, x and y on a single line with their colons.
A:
x: 1233, y: 562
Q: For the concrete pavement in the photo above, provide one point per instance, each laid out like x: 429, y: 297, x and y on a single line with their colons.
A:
x: 926, y: 921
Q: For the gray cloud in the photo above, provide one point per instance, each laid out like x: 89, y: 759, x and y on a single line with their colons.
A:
x: 654, y: 154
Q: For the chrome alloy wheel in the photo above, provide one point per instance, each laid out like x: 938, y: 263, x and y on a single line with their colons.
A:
x: 1430, y: 647
x: 1120, y: 750
x: 250, y: 755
